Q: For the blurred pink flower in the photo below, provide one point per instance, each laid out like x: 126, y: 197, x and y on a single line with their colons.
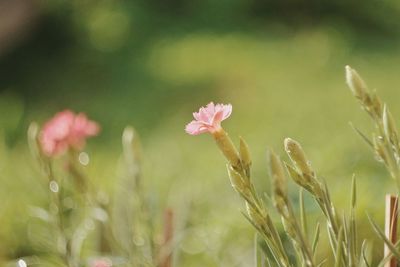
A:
x: 209, y: 119
x: 66, y: 130
x: 101, y: 263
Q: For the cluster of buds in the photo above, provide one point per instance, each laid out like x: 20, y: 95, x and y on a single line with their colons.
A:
x: 209, y: 119
x: 385, y: 141
x: 341, y: 229
x: 301, y: 172
x: 369, y: 101
x: 284, y: 207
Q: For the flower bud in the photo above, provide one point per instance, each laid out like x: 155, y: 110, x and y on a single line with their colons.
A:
x: 278, y: 176
x: 298, y: 178
x: 236, y: 179
x: 298, y: 157
x: 226, y: 146
x: 258, y: 219
x: 244, y: 153
x: 356, y: 83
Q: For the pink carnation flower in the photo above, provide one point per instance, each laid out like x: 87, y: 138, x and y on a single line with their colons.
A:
x: 66, y: 130
x: 209, y: 119
x: 101, y: 263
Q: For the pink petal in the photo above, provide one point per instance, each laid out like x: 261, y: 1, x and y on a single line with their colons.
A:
x: 204, y: 116
x: 92, y: 128
x: 84, y: 127
x: 196, y: 116
x: 66, y: 130
x: 227, y: 111
x: 218, y: 117
x: 195, y: 128
x: 209, y: 118
x: 102, y: 263
x: 210, y: 109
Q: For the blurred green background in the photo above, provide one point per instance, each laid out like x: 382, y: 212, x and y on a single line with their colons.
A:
x: 151, y: 63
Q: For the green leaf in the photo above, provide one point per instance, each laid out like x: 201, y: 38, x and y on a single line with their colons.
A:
x: 339, y: 250
x: 303, y: 216
x: 316, y: 238
x: 353, y: 225
x: 353, y: 192
x: 382, y: 236
x: 365, y: 258
x: 258, y: 257
x: 361, y: 135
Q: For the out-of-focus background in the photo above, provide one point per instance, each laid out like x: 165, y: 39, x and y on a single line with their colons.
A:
x: 151, y: 63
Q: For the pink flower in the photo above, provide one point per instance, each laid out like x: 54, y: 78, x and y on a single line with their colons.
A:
x: 66, y: 130
x: 209, y: 119
x: 101, y: 263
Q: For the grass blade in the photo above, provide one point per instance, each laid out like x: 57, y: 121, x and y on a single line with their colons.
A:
x: 303, y: 217
x: 363, y: 136
x: 364, y: 258
x: 316, y: 238
x: 339, y: 250
x: 353, y: 225
x: 382, y: 236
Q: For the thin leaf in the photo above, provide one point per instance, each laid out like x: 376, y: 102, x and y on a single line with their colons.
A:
x: 389, y: 256
x: 316, y: 238
x: 339, y: 250
x: 303, y: 216
x: 353, y: 192
x: 331, y: 237
x: 346, y: 243
x: 251, y: 222
x: 271, y: 246
x: 258, y: 257
x: 365, y: 138
x: 382, y: 236
x: 364, y: 258
x: 353, y: 226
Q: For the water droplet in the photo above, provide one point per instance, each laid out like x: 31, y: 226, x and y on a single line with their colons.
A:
x: 54, y: 186
x: 84, y: 158
x: 22, y: 263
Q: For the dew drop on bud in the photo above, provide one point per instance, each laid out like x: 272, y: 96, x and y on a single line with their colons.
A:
x: 21, y: 263
x: 54, y: 186
x: 83, y: 158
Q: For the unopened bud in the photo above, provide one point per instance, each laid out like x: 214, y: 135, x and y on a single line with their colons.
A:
x: 356, y: 83
x: 244, y: 153
x: 278, y: 177
x: 226, y: 146
x: 298, y: 157
x: 237, y: 180
x: 298, y: 178
x: 258, y: 219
